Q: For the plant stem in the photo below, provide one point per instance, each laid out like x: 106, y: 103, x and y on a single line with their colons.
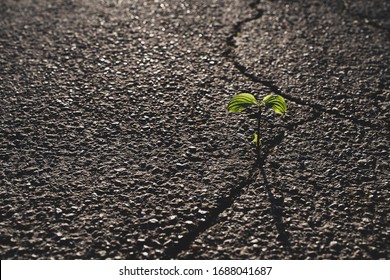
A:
x: 258, y: 135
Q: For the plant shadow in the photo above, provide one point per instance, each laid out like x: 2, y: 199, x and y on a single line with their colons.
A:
x: 276, y: 202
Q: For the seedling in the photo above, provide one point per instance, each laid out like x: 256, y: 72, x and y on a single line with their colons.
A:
x: 244, y: 100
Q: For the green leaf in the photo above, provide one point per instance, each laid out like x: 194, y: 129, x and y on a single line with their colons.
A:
x: 241, y: 101
x: 255, y: 136
x: 276, y: 103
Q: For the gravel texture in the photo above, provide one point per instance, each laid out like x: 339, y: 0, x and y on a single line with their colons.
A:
x: 115, y: 141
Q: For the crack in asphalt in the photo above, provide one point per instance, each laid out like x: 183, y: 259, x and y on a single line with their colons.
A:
x: 258, y: 168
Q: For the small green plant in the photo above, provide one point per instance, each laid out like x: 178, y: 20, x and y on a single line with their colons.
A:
x: 244, y: 100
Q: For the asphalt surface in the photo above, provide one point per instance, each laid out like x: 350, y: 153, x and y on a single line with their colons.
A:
x: 115, y: 141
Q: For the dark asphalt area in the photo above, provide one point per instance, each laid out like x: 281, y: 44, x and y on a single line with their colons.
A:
x: 116, y: 143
